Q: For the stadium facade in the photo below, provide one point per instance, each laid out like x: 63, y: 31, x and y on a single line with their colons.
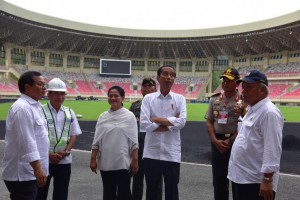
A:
x: 73, y: 50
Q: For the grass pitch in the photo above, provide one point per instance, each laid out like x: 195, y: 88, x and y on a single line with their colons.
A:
x: 90, y: 110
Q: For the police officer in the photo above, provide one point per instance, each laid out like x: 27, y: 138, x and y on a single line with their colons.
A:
x: 148, y: 86
x: 222, y: 116
x: 63, y: 129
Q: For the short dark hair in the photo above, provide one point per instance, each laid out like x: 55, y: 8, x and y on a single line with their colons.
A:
x: 27, y: 78
x: 118, y: 88
x: 160, y: 69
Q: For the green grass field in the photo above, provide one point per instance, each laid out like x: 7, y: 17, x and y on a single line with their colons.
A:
x: 195, y: 112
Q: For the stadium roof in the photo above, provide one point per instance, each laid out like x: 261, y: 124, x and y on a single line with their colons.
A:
x: 26, y: 28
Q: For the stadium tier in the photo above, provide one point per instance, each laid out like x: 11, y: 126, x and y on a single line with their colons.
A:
x: 74, y: 53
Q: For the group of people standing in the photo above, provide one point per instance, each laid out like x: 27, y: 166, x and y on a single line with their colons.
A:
x: 38, y: 140
x: 144, y: 141
x: 245, y: 153
x: 121, y: 149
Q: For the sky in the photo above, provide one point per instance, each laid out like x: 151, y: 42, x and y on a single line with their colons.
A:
x: 162, y: 14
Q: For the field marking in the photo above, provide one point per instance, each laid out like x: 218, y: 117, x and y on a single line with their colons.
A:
x: 190, y: 163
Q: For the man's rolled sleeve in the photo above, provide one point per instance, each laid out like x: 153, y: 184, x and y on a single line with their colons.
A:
x: 30, y: 157
x: 272, y: 129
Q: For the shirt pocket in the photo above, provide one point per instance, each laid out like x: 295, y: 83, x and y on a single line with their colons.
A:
x: 41, y: 130
x: 246, y: 130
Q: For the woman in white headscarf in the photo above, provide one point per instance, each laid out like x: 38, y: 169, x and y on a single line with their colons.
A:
x: 115, y: 147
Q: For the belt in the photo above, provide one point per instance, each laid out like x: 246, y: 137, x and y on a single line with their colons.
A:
x: 227, y: 135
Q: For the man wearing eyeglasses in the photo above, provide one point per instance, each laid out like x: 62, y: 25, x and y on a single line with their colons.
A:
x: 255, y: 158
x: 25, y: 160
x: 63, y: 129
x: 163, y: 115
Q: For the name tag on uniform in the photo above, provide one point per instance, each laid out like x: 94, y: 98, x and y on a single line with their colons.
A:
x: 223, y: 116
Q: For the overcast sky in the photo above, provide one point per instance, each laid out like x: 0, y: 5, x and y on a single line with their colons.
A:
x: 162, y: 14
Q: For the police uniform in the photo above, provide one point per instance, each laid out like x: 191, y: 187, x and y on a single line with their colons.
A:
x: 224, y: 113
x: 136, y: 109
x: 138, y: 179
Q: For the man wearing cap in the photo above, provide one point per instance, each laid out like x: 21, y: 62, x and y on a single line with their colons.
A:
x: 148, y: 86
x: 222, y: 116
x: 63, y: 129
x: 255, y: 158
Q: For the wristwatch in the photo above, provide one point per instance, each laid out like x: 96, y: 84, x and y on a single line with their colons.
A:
x: 67, y: 152
x: 268, y: 179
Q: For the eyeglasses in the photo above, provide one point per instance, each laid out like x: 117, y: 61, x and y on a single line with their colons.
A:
x: 42, y: 85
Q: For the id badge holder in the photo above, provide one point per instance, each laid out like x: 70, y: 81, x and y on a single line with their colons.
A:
x: 223, y: 116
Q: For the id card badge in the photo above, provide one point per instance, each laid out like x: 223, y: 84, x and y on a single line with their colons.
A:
x: 223, y: 116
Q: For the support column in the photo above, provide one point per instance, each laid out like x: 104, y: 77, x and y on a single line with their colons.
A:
x: 81, y: 62
x: 47, y: 60
x: 28, y: 51
x: 146, y: 66
x: 65, y: 57
x: 8, y: 47
x: 194, y: 61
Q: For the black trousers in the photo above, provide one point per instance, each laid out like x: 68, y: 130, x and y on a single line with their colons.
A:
x: 219, y: 163
x: 154, y: 170
x: 116, y: 185
x: 22, y: 190
x: 61, y: 174
x: 138, y: 178
x: 247, y: 191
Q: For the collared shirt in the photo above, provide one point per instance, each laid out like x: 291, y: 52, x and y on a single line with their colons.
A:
x: 163, y: 145
x: 258, y: 146
x: 59, y: 119
x: 26, y: 140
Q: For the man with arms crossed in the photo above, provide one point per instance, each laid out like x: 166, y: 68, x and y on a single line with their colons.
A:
x: 163, y: 114
x: 148, y: 86
x: 255, y: 157
x: 63, y: 129
x: 25, y: 160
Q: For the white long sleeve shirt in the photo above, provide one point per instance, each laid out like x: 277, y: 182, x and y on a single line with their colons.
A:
x: 258, y: 146
x: 59, y: 119
x: 26, y: 140
x: 163, y: 145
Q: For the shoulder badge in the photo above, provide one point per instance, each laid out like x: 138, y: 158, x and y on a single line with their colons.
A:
x: 217, y: 94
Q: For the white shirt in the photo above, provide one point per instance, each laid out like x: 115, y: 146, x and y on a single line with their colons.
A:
x: 116, y: 136
x: 163, y: 145
x: 257, y: 148
x: 59, y: 119
x: 26, y: 140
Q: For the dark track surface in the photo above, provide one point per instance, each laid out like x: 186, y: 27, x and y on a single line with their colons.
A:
x: 196, y: 145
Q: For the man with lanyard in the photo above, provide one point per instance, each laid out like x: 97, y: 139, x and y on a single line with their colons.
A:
x: 63, y: 129
x: 222, y: 116
x: 148, y: 86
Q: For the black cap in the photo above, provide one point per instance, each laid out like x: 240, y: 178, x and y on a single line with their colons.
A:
x: 253, y: 77
x: 149, y: 80
x: 231, y: 74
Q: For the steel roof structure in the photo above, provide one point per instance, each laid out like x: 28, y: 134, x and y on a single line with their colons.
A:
x: 27, y: 29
